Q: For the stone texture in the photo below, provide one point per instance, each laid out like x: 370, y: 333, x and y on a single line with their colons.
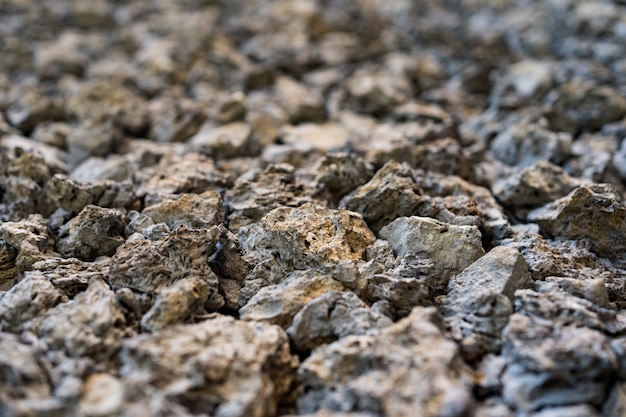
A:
x: 194, y: 211
x: 219, y: 367
x: 451, y: 248
x: 410, y: 367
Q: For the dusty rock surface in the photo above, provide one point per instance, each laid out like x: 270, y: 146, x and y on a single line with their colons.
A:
x: 342, y: 208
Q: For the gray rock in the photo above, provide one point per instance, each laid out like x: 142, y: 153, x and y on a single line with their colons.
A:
x: 28, y: 299
x: 451, y: 248
x: 150, y: 265
x: 332, y: 316
x: 409, y: 368
x: 91, y: 324
x: 94, y: 232
x: 301, y: 103
x: 179, y: 302
x: 278, y: 304
x: 194, y: 211
x: 219, y: 367
x: 175, y: 119
x: 227, y: 141
x: 478, y: 303
x: 30, y: 238
x: 554, y: 365
x: 31, y: 107
x: 8, y: 270
x: 594, y: 213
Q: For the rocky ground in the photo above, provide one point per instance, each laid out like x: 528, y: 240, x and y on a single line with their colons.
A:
x: 337, y: 208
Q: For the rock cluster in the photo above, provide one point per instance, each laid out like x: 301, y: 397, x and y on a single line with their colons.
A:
x: 342, y: 208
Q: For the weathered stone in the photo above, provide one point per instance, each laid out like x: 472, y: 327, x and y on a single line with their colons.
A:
x: 594, y: 213
x: 252, y: 198
x: 278, y: 304
x: 8, y: 270
x: 451, y: 248
x: 574, y: 362
x: 93, y: 138
x: 338, y: 174
x: 534, y: 186
x: 227, y: 141
x: 220, y: 367
x: 70, y: 275
x: 478, y: 303
x: 300, y: 102
x: 148, y: 266
x: 179, y: 302
x: 175, y: 119
x: 30, y: 238
x: 323, y: 137
x: 28, y: 299
x: 409, y: 368
x: 103, y: 395
x: 310, y: 236
x: 332, y: 316
x: 91, y: 324
x: 31, y: 107
x: 94, y: 232
x: 194, y: 211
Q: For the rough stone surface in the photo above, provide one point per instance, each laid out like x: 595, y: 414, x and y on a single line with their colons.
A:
x: 451, y: 248
x: 363, y: 373
x: 207, y: 360
x: 194, y: 211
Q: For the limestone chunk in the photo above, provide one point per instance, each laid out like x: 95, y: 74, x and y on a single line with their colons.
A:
x: 220, y: 367
x: 194, y: 211
x: 451, y: 248
x: 94, y: 232
x: 227, y: 141
x: 90, y: 324
x: 331, y: 316
x: 30, y: 238
x: 594, y: 213
x: 28, y: 299
x: 408, y: 368
x: 150, y: 265
x: 278, y: 304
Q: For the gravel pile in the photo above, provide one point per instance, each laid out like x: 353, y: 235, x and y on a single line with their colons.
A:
x: 335, y: 208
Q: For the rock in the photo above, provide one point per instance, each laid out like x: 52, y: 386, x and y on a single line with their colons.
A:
x: 252, y: 197
x: 28, y: 299
x: 231, y: 109
x: 527, y: 141
x: 91, y: 324
x: 32, y: 107
x: 376, y: 92
x: 175, y: 120
x: 194, y: 211
x: 390, y: 194
x: 534, y: 186
x: 331, y: 316
x: 584, y: 105
x: 575, y: 362
x: 8, y: 270
x: 338, y: 174
x: 24, y: 386
x: 478, y: 303
x: 70, y: 275
x: 372, y: 373
x: 594, y: 213
x: 238, y: 368
x: 73, y: 196
x: 301, y: 103
x: 278, y: 304
x: 227, y: 141
x: 30, y: 238
x: 94, y: 232
x: 151, y: 265
x: 323, y: 136
x: 174, y: 304
x: 451, y: 248
x: 103, y: 395
x: 529, y: 77
x: 306, y: 237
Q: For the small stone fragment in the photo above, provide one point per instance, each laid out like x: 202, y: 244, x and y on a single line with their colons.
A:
x: 408, y: 368
x: 90, y: 324
x: 278, y: 304
x: 594, y: 213
x: 332, y: 316
x: 194, y: 211
x: 451, y: 248
x: 227, y: 141
x: 220, y: 367
x: 94, y: 232
x: 30, y: 238
x: 103, y: 395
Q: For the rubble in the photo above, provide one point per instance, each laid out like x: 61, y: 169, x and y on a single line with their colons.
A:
x: 302, y: 207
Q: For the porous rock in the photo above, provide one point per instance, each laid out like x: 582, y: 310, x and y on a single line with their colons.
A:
x: 30, y: 238
x: 94, y: 232
x: 194, y: 211
x: 278, y: 304
x: 90, y: 324
x: 73, y: 196
x: 150, y: 265
x: 331, y: 316
x: 219, y: 367
x: 478, y: 303
x: 28, y: 299
x: 451, y: 248
x: 409, y: 367
x: 594, y: 213
x: 227, y: 141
